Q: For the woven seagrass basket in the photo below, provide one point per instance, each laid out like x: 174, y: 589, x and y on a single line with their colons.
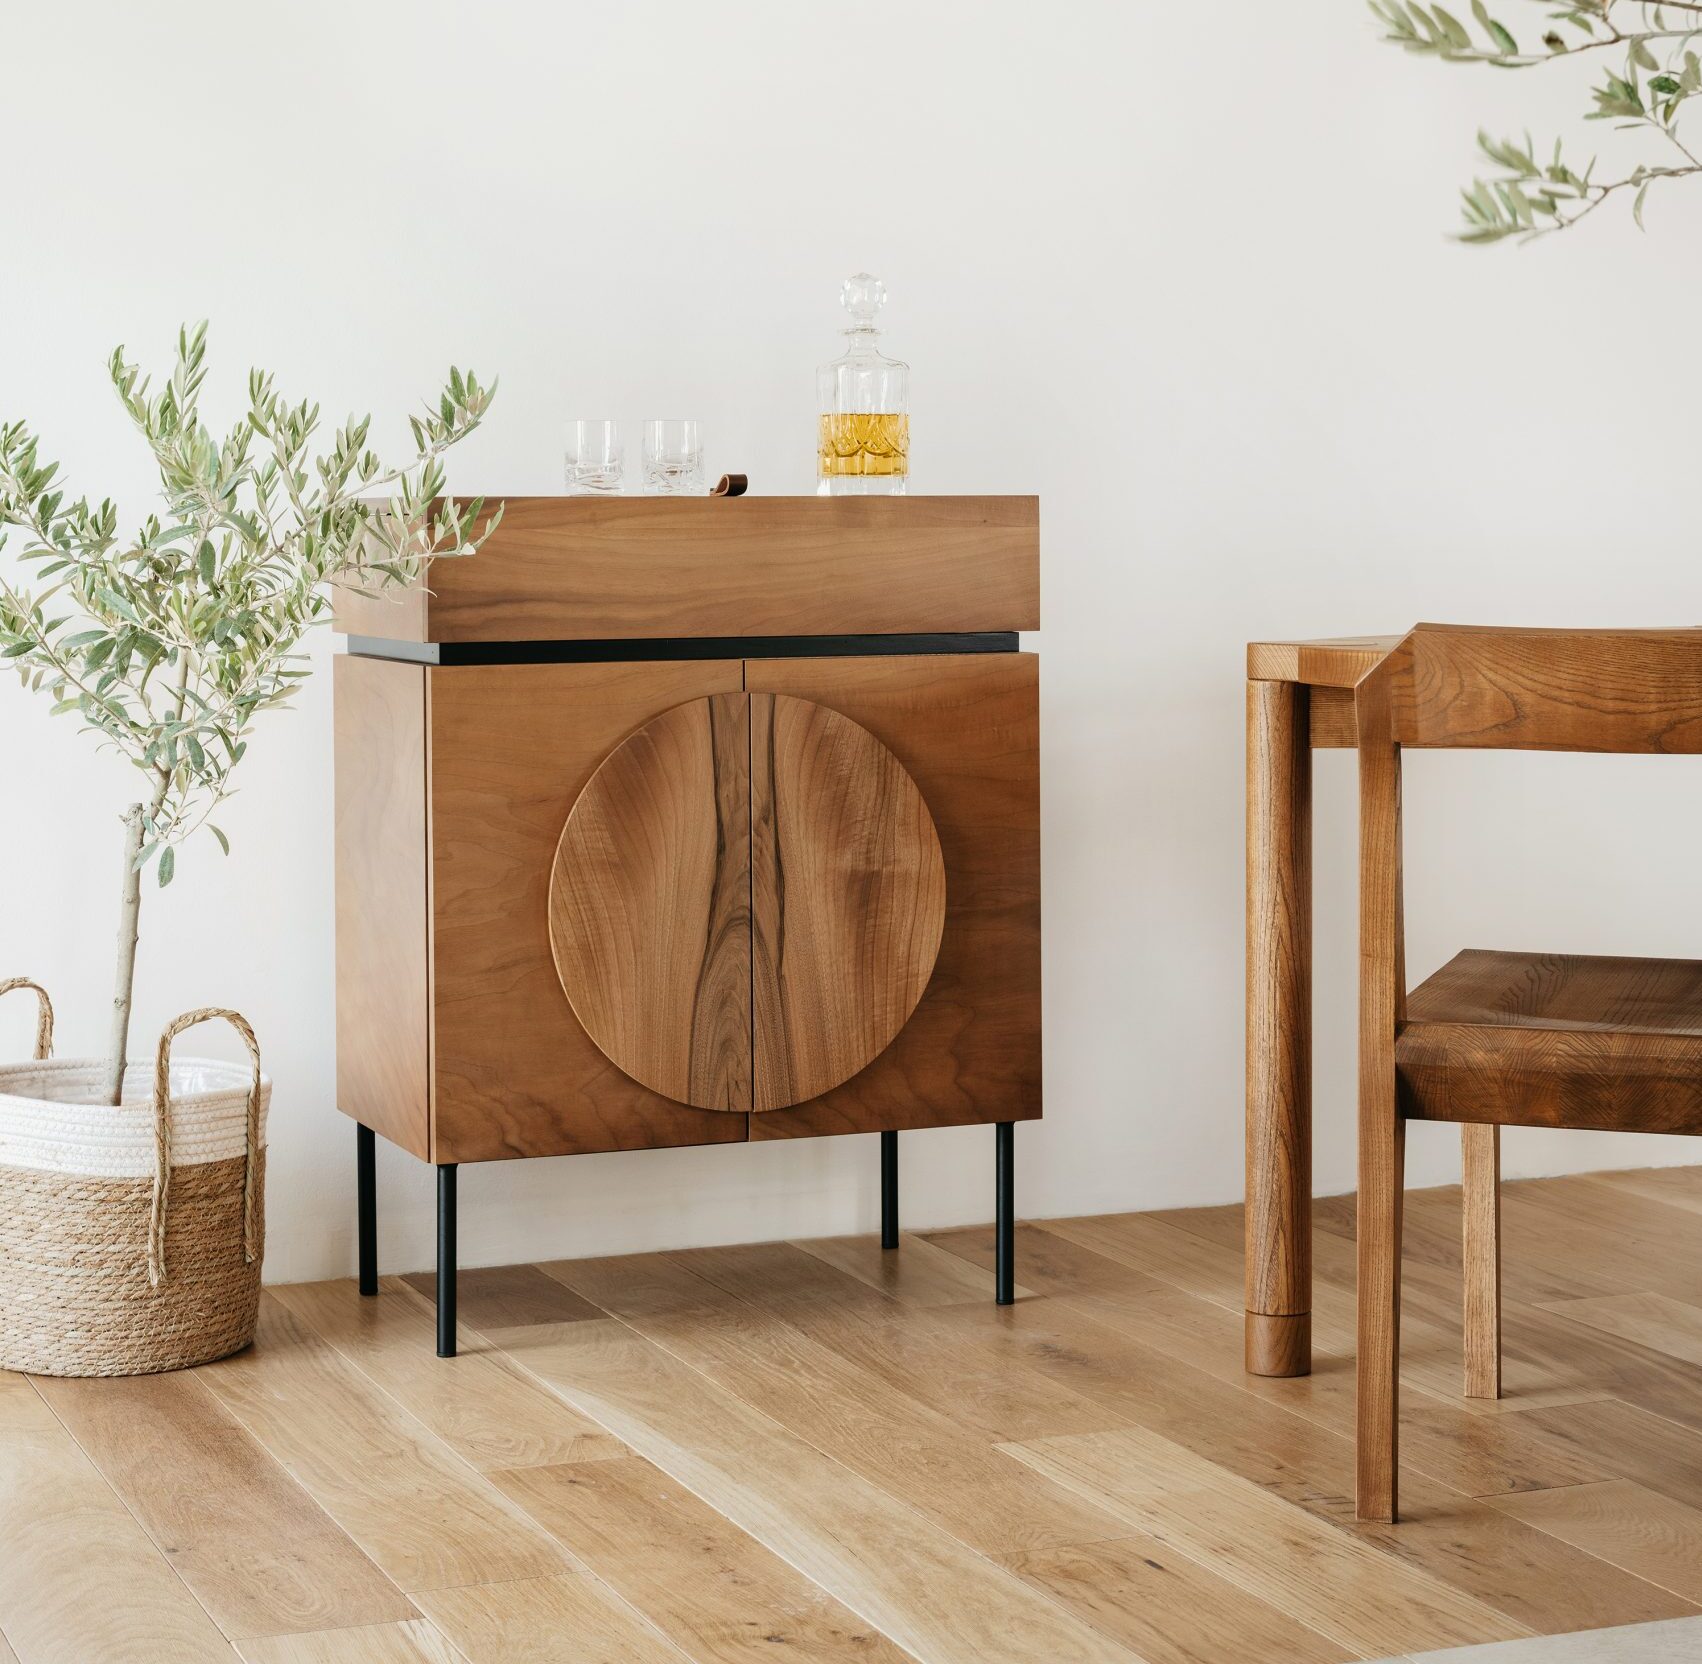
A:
x: 130, y: 1237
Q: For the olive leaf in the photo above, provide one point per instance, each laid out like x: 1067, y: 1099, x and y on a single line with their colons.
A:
x: 169, y: 643
x: 1661, y: 74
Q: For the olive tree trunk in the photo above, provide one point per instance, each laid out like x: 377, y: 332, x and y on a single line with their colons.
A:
x: 129, y: 912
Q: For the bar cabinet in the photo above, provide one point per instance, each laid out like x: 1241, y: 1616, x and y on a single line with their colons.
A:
x: 675, y: 821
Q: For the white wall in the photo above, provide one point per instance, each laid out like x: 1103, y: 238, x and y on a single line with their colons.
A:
x: 1178, y: 269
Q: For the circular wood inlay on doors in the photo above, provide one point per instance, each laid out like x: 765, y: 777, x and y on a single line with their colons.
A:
x: 747, y: 901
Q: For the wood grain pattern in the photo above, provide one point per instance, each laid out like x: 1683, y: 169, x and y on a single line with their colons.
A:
x: 481, y: 1407
x: 1168, y: 1608
x: 931, y: 1594
x: 63, y: 1525
x: 505, y: 1297
x: 1509, y: 689
x: 1503, y: 1038
x: 1338, y: 663
x: 650, y: 904
x: 1473, y: 1454
x: 913, y: 1452
x: 21, y: 1404
x: 512, y: 748
x: 1279, y: 1030
x: 1471, y: 1548
x: 1638, y: 1247
x: 571, y: 1619
x: 1669, y: 1186
x: 220, y: 1508
x: 1551, y: 690
x: 1051, y: 1263
x: 966, y: 730
x: 912, y: 1355
x: 1320, y: 1576
x: 421, y: 1513
x: 714, y: 1591
x: 1382, y: 1130
x: 1596, y: 690
x: 1332, y: 721
x: 1480, y: 1187
x: 1626, y: 1441
x: 834, y: 1530
x: 415, y: 1641
x: 1560, y: 1040
x: 383, y: 949
x: 847, y: 898
x: 1654, y: 1320
x: 747, y: 902
x: 919, y: 1275
x: 1620, y: 1522
x: 628, y: 568
x: 1539, y: 1369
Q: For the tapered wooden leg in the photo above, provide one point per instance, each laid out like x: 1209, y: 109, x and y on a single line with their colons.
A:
x: 1480, y: 1185
x: 1382, y: 1161
x: 1382, y: 1130
x: 1279, y: 1029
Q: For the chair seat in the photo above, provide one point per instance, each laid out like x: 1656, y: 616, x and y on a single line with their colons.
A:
x: 1555, y: 1040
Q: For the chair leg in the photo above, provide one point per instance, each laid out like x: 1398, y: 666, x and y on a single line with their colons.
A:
x: 1480, y: 1183
x: 1382, y: 1163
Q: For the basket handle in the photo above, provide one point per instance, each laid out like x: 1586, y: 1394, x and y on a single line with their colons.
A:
x: 162, y: 1135
x: 44, y: 1014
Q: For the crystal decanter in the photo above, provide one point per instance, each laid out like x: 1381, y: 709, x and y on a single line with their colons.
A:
x: 864, y: 397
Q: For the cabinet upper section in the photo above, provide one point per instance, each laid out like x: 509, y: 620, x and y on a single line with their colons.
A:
x: 648, y: 568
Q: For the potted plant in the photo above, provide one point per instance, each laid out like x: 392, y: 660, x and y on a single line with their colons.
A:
x: 131, y: 1204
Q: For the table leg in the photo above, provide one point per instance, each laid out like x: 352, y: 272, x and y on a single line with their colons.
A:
x: 1279, y: 1029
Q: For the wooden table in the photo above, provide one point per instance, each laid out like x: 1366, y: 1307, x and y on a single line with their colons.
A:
x: 1299, y: 695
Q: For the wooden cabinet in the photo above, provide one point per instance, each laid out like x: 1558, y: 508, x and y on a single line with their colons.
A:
x: 619, y: 892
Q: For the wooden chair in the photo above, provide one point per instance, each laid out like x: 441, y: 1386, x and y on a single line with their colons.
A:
x: 1501, y: 1039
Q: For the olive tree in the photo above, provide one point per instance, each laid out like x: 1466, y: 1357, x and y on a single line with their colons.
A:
x: 168, y: 644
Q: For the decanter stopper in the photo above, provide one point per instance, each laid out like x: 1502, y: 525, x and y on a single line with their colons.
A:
x: 862, y: 296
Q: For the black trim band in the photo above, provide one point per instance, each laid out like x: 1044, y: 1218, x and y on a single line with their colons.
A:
x: 679, y: 647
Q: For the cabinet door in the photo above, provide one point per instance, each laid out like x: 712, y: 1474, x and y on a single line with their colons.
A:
x: 650, y: 904
x: 965, y: 728
x: 747, y: 901
x: 847, y: 898
x: 512, y: 748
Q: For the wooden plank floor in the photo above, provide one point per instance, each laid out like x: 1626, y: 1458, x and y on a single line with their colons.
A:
x: 820, y: 1452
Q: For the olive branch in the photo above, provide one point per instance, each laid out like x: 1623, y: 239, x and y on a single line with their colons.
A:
x: 1529, y: 197
x: 170, y: 644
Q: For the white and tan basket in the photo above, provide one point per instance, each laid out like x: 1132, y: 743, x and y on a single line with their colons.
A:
x: 130, y: 1237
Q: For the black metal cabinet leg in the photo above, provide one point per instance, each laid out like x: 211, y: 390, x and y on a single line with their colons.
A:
x: 446, y: 1260
x: 366, y: 1207
x: 1004, y: 1227
x: 889, y: 1190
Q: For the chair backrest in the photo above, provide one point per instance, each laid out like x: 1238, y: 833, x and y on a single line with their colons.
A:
x: 1628, y: 691
x: 1547, y: 690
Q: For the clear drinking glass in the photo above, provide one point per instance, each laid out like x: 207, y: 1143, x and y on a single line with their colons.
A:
x: 673, y: 456
x: 596, y: 457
